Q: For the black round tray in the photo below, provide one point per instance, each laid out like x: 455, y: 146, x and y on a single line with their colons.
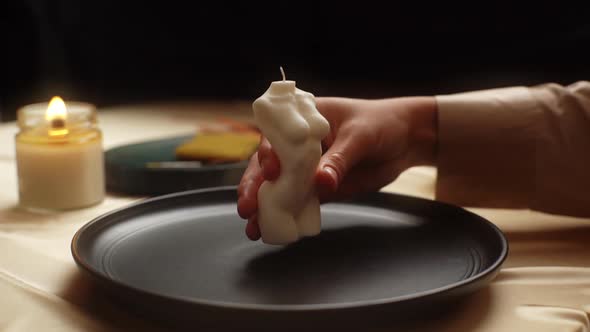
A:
x: 184, y: 260
x: 150, y: 169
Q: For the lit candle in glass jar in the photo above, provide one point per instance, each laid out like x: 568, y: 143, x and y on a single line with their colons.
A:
x: 59, y: 156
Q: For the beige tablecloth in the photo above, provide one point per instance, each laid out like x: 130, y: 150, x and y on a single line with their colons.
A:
x: 544, y: 285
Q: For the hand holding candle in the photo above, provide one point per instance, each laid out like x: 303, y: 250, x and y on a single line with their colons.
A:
x: 59, y: 156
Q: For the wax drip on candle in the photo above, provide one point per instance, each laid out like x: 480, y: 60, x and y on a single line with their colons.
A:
x: 282, y: 73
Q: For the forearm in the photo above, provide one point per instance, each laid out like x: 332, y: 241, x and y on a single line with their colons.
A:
x: 516, y: 148
x: 419, y: 114
x: 423, y: 131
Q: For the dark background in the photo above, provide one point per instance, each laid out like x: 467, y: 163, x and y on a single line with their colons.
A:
x: 114, y: 52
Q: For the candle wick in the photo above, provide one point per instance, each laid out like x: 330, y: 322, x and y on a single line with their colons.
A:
x: 282, y: 73
x: 58, y: 123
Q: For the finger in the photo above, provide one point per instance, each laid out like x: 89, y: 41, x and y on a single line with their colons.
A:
x: 269, y: 161
x: 345, y: 153
x: 252, y: 229
x: 250, y: 171
x: 248, y: 203
x: 327, y: 106
x: 328, y: 141
x: 264, y: 149
x: 362, y: 180
x: 326, y: 184
x: 248, y: 189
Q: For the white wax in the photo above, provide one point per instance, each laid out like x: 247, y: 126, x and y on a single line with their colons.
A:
x: 60, y: 176
x: 288, y: 208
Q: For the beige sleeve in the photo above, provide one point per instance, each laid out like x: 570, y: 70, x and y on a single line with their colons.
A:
x: 517, y: 147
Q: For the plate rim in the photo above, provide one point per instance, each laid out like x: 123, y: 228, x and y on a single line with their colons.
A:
x: 488, y: 272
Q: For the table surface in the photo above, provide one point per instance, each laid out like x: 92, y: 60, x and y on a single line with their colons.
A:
x: 543, y: 286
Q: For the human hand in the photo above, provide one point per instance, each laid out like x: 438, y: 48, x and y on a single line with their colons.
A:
x: 370, y: 143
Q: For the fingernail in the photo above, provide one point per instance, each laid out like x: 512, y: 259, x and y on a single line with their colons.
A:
x: 332, y: 173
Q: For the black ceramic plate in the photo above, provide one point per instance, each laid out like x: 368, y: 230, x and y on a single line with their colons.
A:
x: 184, y: 259
x: 150, y: 168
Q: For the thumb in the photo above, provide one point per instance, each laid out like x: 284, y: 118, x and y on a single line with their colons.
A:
x: 344, y: 154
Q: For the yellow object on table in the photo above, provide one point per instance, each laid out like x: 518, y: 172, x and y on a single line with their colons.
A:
x: 219, y: 147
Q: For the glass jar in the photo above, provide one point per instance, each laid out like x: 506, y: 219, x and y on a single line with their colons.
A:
x: 60, y: 159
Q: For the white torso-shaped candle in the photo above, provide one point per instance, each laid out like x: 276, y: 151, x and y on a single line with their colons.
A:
x: 288, y: 208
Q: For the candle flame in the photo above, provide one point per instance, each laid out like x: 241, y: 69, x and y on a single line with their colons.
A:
x: 56, y: 109
x: 56, y: 115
